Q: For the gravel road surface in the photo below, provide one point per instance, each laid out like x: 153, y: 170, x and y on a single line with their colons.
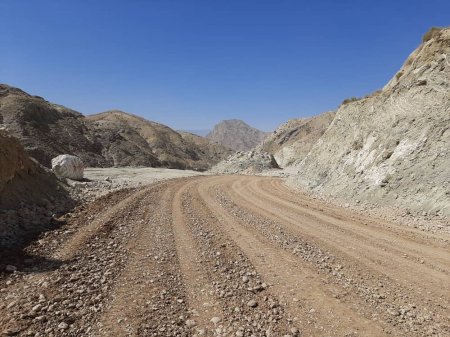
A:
x: 227, y: 256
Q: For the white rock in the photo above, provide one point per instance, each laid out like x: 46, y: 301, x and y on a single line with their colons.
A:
x: 68, y: 166
x: 215, y: 320
x: 63, y: 326
x: 10, y: 268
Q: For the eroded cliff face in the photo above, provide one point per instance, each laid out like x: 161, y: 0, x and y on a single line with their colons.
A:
x: 392, y: 147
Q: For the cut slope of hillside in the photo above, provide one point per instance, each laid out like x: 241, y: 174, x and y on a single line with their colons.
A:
x: 28, y: 194
x: 236, y: 135
x: 392, y: 147
x: 162, y: 145
x: 292, y: 141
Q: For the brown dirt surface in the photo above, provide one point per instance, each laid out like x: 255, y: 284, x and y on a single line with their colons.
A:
x: 227, y: 256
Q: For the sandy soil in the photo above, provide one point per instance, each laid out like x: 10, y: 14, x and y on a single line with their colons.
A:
x: 101, y: 181
x: 228, y: 256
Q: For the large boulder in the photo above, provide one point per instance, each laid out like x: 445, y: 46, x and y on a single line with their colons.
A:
x: 68, y: 166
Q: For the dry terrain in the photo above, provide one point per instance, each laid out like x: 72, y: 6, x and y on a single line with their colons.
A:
x: 227, y: 256
x: 112, y: 138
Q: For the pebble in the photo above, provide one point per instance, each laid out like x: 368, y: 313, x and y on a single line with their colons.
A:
x: 190, y: 323
x: 63, y: 326
x: 252, y: 304
x: 10, y: 268
x: 215, y: 320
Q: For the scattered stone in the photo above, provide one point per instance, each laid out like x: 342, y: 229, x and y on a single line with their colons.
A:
x: 252, y: 304
x: 63, y: 326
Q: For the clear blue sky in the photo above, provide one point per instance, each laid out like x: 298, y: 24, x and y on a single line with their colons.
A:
x: 189, y: 64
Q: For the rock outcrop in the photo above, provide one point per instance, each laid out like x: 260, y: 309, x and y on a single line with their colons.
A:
x: 292, y: 141
x: 249, y: 162
x: 236, y: 135
x: 392, y: 147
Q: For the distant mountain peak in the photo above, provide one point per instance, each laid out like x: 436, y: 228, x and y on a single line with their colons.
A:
x: 236, y: 135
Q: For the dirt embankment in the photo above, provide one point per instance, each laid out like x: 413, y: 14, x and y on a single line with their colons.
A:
x: 29, y: 195
x: 201, y: 257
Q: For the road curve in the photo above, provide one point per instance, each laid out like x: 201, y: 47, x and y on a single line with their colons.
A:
x: 228, y: 256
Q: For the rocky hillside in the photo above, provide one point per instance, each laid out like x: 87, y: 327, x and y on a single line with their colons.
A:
x: 249, y: 162
x: 236, y: 135
x: 393, y: 146
x: 292, y: 141
x: 46, y: 129
x: 29, y: 194
x: 131, y: 140
x: 108, y: 139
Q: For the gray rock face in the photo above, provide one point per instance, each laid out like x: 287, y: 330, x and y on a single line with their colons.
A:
x: 392, y: 147
x: 236, y: 135
x: 292, y: 141
x: 246, y: 163
x: 68, y: 166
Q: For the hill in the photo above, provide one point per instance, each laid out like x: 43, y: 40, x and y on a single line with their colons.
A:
x: 112, y: 138
x: 236, y: 135
x: 156, y: 143
x: 292, y: 141
x: 46, y: 129
x: 392, y: 147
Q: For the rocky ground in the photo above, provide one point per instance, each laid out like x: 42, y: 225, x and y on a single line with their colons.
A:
x: 102, y: 181
x: 226, y: 256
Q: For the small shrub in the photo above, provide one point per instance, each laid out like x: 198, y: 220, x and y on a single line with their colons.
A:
x: 432, y: 33
x: 349, y: 100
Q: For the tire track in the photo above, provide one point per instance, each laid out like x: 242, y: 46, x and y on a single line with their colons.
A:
x: 203, y: 306
x: 149, y: 297
x: 236, y: 282
x: 320, y: 312
x: 382, y: 258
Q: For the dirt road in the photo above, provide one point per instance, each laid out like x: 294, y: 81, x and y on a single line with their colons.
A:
x: 227, y: 256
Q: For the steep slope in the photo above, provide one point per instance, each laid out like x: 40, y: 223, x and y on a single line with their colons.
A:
x: 163, y: 146
x: 292, y: 141
x: 236, y: 135
x: 46, y: 129
x: 392, y: 147
x: 28, y: 194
